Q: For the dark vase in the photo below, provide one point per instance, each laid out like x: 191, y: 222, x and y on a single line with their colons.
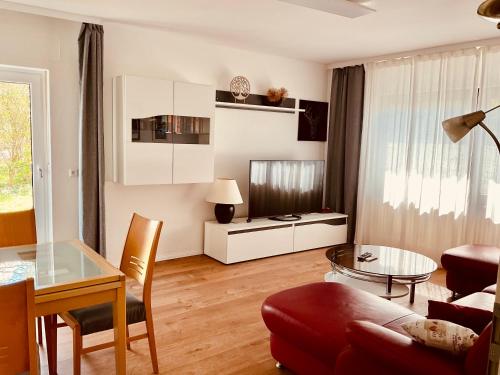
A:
x: 224, y: 213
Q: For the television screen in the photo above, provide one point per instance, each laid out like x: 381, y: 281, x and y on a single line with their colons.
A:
x: 285, y: 187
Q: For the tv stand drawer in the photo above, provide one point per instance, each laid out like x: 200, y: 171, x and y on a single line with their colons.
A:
x: 259, y: 243
x: 318, y: 234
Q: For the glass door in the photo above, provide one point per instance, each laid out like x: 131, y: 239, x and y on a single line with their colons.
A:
x: 192, y: 130
x: 24, y: 147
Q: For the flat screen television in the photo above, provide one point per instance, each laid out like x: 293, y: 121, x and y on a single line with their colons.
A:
x: 284, y: 189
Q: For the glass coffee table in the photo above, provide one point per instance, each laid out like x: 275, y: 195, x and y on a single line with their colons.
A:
x: 387, y: 275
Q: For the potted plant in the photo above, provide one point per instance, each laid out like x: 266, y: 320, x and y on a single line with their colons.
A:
x: 276, y: 96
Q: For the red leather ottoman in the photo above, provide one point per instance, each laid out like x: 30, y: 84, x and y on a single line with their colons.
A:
x: 470, y: 268
x: 308, y: 323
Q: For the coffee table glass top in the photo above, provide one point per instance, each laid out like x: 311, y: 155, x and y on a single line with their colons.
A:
x: 391, y: 261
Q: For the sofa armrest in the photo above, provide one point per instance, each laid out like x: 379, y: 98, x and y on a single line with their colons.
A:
x: 400, y: 352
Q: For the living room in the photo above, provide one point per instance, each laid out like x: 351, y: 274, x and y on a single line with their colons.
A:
x: 232, y: 156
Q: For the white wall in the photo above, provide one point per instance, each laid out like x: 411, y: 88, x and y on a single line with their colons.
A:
x: 46, y: 43
x: 240, y: 135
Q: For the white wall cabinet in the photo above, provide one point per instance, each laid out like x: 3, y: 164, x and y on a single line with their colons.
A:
x: 163, y: 131
x: 194, y: 162
x: 240, y: 241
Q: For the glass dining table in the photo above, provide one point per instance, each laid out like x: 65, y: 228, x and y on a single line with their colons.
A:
x: 68, y: 275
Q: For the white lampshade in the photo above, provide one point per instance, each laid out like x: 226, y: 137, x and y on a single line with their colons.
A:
x: 225, y: 191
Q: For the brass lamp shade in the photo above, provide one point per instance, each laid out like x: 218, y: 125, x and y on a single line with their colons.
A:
x: 457, y: 127
x: 490, y: 10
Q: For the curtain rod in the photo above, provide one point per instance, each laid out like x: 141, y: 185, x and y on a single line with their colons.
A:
x: 412, y: 53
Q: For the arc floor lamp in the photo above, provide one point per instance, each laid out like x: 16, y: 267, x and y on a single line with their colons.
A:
x: 456, y: 128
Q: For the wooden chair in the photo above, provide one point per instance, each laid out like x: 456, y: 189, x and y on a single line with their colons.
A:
x: 18, y: 348
x: 137, y: 263
x: 19, y: 228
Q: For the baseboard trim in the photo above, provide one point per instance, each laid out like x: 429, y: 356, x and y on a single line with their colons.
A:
x: 176, y: 255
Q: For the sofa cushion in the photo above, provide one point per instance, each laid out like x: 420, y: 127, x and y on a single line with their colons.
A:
x: 442, y: 334
x: 314, y: 317
x: 475, y: 259
x: 473, y: 318
x: 480, y: 300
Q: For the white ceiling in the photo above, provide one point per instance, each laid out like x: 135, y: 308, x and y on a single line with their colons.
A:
x: 289, y: 30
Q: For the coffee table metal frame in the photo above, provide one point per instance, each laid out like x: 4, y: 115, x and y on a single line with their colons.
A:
x: 383, y: 279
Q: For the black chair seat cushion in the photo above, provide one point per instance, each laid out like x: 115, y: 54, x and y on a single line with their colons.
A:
x: 99, y: 318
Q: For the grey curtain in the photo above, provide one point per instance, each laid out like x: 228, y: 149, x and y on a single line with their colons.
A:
x: 90, y: 48
x: 344, y: 142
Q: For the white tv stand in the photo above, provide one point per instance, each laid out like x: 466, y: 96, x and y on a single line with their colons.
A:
x: 239, y: 241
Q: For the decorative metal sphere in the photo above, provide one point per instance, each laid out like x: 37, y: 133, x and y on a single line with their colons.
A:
x: 240, y: 87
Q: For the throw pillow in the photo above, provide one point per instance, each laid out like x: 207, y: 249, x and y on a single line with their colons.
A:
x: 470, y: 317
x: 441, y: 334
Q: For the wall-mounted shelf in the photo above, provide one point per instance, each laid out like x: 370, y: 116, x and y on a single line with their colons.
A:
x: 254, y: 102
x: 253, y: 107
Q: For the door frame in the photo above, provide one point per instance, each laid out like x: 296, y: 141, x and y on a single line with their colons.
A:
x: 40, y: 142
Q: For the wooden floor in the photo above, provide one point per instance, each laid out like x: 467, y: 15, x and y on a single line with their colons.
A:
x: 207, y: 316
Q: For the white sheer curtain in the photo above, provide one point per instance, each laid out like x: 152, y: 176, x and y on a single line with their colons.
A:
x: 417, y: 190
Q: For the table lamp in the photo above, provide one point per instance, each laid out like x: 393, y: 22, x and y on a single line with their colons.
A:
x: 225, y: 194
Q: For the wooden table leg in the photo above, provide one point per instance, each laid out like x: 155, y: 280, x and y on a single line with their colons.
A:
x: 120, y: 327
x: 50, y: 322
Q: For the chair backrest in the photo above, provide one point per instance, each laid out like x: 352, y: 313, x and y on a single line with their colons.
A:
x: 18, y: 348
x: 17, y: 228
x: 139, y: 253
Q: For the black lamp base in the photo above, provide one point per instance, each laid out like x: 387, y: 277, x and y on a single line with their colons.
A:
x: 224, y: 213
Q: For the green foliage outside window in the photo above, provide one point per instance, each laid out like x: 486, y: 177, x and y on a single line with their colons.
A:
x: 16, y: 191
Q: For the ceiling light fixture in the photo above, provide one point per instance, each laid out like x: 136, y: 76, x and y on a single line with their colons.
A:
x: 490, y: 10
x: 344, y: 8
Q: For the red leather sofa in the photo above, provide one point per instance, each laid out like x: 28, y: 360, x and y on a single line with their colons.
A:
x: 470, y: 268
x: 331, y: 328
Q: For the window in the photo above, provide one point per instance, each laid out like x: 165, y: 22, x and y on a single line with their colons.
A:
x: 417, y: 189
